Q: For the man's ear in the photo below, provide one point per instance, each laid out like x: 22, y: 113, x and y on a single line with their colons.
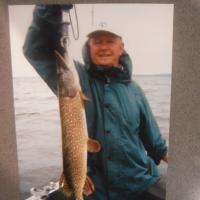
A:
x: 122, y: 47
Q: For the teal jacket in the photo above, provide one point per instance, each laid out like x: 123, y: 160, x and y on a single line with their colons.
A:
x: 118, y: 114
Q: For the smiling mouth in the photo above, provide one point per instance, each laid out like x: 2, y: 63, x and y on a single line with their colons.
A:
x: 103, y: 56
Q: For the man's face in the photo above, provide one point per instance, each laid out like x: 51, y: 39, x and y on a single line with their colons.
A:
x: 105, y: 49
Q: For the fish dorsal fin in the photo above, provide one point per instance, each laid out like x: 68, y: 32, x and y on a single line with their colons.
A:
x: 93, y: 145
x: 88, y: 188
x: 65, y: 187
x: 84, y: 97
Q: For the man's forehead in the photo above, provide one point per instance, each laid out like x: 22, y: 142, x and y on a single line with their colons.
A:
x: 104, y: 35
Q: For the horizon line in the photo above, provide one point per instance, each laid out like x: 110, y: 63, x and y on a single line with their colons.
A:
x: 160, y: 74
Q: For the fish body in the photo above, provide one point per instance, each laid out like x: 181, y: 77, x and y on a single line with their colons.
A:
x: 74, y: 132
x: 74, y: 137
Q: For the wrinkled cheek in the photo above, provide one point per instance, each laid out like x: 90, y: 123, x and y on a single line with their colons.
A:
x: 93, y: 58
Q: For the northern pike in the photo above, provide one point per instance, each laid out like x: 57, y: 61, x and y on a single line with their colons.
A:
x: 75, y: 141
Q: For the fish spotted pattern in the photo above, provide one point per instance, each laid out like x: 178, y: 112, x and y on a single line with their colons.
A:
x: 75, y: 141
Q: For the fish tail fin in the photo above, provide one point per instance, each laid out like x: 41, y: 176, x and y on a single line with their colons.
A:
x: 88, y: 187
x: 60, y: 59
x: 64, y: 185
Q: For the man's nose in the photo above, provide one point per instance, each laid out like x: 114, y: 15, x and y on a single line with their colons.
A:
x: 104, y: 45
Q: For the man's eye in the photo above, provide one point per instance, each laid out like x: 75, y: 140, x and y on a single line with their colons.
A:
x: 111, y: 41
x: 97, y: 41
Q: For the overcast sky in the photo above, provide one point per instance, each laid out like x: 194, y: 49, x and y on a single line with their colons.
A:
x: 146, y: 29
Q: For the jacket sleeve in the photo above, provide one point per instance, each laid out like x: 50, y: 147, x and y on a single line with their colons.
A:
x: 151, y: 137
x: 41, y: 40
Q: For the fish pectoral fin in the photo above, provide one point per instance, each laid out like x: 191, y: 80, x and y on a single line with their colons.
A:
x: 93, y: 145
x: 88, y: 188
x: 64, y: 185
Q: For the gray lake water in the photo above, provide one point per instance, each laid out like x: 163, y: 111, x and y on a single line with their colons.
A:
x: 38, y: 126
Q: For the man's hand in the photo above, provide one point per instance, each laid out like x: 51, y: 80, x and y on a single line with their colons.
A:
x: 166, y: 157
x: 66, y: 7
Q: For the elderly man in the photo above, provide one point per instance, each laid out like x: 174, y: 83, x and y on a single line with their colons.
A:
x: 118, y: 115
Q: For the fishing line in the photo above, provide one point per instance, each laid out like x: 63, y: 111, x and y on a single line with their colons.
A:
x: 76, y: 37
